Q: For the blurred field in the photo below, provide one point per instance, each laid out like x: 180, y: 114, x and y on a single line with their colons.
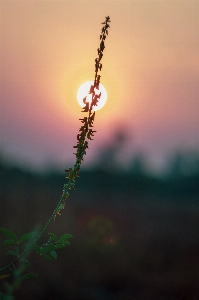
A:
x: 135, y: 235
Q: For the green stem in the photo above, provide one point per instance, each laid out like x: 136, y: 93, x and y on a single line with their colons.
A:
x: 86, y: 132
x: 49, y: 221
x: 13, y: 262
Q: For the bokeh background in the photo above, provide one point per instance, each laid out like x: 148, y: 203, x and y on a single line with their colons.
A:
x: 135, y: 212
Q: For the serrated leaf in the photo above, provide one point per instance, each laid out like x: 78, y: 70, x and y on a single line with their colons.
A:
x: 66, y: 243
x: 12, y: 253
x: 9, y: 242
x: 65, y: 237
x: 53, y: 254
x: 47, y: 249
x: 47, y: 257
x: 9, y: 234
x: 53, y: 237
x: 25, y: 237
x: 37, y: 248
x: 28, y: 276
x: 57, y: 246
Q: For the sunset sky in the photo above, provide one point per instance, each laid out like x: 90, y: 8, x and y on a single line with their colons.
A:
x: 150, y: 71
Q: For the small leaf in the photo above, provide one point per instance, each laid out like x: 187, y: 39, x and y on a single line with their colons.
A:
x: 37, y: 248
x: 25, y: 237
x: 28, y: 276
x: 9, y: 242
x: 47, y: 257
x: 47, y: 249
x: 9, y: 234
x: 12, y: 253
x: 64, y: 237
x: 53, y: 237
x: 57, y: 246
x: 53, y: 254
x: 66, y: 243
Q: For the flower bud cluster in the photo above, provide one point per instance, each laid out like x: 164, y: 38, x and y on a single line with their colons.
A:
x: 86, y: 131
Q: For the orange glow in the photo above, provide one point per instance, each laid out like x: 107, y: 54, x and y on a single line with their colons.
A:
x: 48, y: 51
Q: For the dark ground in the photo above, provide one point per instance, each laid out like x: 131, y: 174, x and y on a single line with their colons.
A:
x: 135, y: 236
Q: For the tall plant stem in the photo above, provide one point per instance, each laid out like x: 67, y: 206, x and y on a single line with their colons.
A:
x: 85, y: 134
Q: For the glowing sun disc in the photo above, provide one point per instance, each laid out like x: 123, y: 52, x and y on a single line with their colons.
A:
x: 83, y: 92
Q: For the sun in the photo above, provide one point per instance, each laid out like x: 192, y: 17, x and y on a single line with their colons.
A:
x: 83, y: 92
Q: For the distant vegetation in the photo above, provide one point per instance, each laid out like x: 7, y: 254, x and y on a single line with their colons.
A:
x: 180, y: 180
x: 133, y: 224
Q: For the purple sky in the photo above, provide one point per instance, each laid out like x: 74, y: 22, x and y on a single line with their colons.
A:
x: 150, y: 71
